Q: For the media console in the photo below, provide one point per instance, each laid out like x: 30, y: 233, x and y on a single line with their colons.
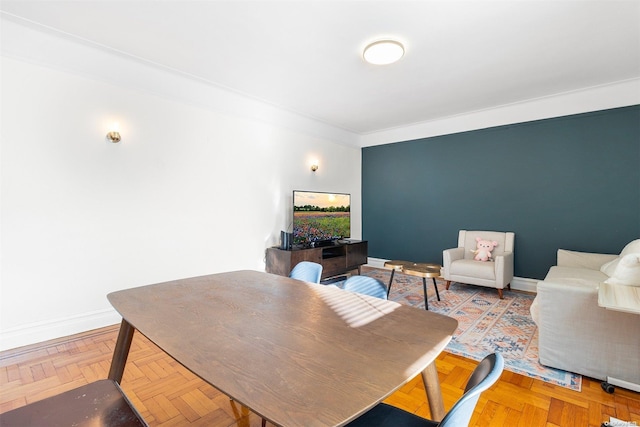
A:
x: 338, y: 258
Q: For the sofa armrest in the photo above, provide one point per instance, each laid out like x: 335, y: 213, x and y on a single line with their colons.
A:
x: 589, y: 260
x: 448, y: 256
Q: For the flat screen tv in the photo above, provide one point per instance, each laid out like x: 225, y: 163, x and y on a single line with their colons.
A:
x: 320, y: 217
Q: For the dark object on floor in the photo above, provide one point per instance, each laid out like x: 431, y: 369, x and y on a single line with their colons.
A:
x: 609, y: 388
x: 98, y: 404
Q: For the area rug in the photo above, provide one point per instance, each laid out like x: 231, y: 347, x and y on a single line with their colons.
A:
x: 486, y: 324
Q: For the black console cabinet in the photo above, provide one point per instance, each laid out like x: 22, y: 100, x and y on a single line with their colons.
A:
x: 336, y: 259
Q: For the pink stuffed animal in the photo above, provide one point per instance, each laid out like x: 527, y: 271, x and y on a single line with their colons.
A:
x: 483, y: 249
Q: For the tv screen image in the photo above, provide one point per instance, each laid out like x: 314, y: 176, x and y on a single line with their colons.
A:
x: 320, y: 216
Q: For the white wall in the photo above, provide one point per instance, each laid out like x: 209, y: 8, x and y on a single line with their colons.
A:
x: 190, y: 190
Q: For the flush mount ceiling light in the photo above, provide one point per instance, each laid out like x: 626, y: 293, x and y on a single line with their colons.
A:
x: 383, y: 52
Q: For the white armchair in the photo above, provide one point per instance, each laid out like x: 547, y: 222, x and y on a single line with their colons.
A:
x: 458, y: 264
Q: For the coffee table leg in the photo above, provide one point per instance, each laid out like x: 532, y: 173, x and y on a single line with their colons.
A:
x: 424, y: 289
x: 393, y: 271
x: 121, y: 352
x: 436, y: 286
x: 434, y: 393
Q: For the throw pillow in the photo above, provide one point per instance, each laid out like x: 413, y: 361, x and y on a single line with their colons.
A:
x: 627, y: 272
x: 609, y: 268
x: 632, y: 247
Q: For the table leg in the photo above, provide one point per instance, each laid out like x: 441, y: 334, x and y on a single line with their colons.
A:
x: 393, y: 271
x: 434, y: 393
x: 121, y: 352
x: 436, y: 286
x: 424, y: 289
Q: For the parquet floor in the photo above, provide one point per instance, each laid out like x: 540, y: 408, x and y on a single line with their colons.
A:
x: 166, y: 394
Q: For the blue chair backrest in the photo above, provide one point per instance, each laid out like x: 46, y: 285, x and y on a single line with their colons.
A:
x: 366, y: 285
x: 307, y: 271
x: 483, y: 377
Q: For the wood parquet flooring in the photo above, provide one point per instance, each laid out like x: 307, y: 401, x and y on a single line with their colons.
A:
x: 166, y: 394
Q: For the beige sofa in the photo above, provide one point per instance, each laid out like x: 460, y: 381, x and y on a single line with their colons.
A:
x: 577, y: 335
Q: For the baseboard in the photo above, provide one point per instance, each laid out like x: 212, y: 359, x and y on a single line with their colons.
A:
x: 518, y: 283
x: 43, y: 331
x: 525, y: 284
x: 376, y: 262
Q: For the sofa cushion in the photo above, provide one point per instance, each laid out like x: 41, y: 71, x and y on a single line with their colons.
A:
x: 575, y: 275
x: 632, y: 247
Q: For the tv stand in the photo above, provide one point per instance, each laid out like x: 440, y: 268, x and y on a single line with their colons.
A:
x: 336, y: 258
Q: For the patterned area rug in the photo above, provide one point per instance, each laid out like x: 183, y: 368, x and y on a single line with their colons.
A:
x: 485, y: 323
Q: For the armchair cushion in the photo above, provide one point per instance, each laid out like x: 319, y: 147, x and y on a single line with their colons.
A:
x: 472, y: 268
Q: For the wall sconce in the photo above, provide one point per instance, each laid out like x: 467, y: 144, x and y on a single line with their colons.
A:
x: 114, y: 135
x: 314, y: 167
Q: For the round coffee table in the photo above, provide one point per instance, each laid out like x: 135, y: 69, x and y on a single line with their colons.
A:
x: 418, y: 269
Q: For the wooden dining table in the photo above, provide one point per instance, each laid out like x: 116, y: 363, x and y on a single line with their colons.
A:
x: 295, y: 353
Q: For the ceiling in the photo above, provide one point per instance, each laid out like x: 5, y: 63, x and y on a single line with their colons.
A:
x: 306, y: 56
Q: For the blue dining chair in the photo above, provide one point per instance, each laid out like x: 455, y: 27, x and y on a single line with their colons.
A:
x: 307, y: 271
x: 483, y: 377
x: 366, y: 285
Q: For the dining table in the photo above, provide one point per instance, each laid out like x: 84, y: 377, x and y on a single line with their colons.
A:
x: 295, y: 353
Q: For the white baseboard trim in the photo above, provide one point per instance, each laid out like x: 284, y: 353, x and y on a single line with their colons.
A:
x: 625, y: 384
x: 525, y: 284
x: 518, y: 283
x: 43, y: 331
x: 376, y: 262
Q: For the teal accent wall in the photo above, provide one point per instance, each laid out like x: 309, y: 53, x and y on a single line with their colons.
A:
x: 570, y: 182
